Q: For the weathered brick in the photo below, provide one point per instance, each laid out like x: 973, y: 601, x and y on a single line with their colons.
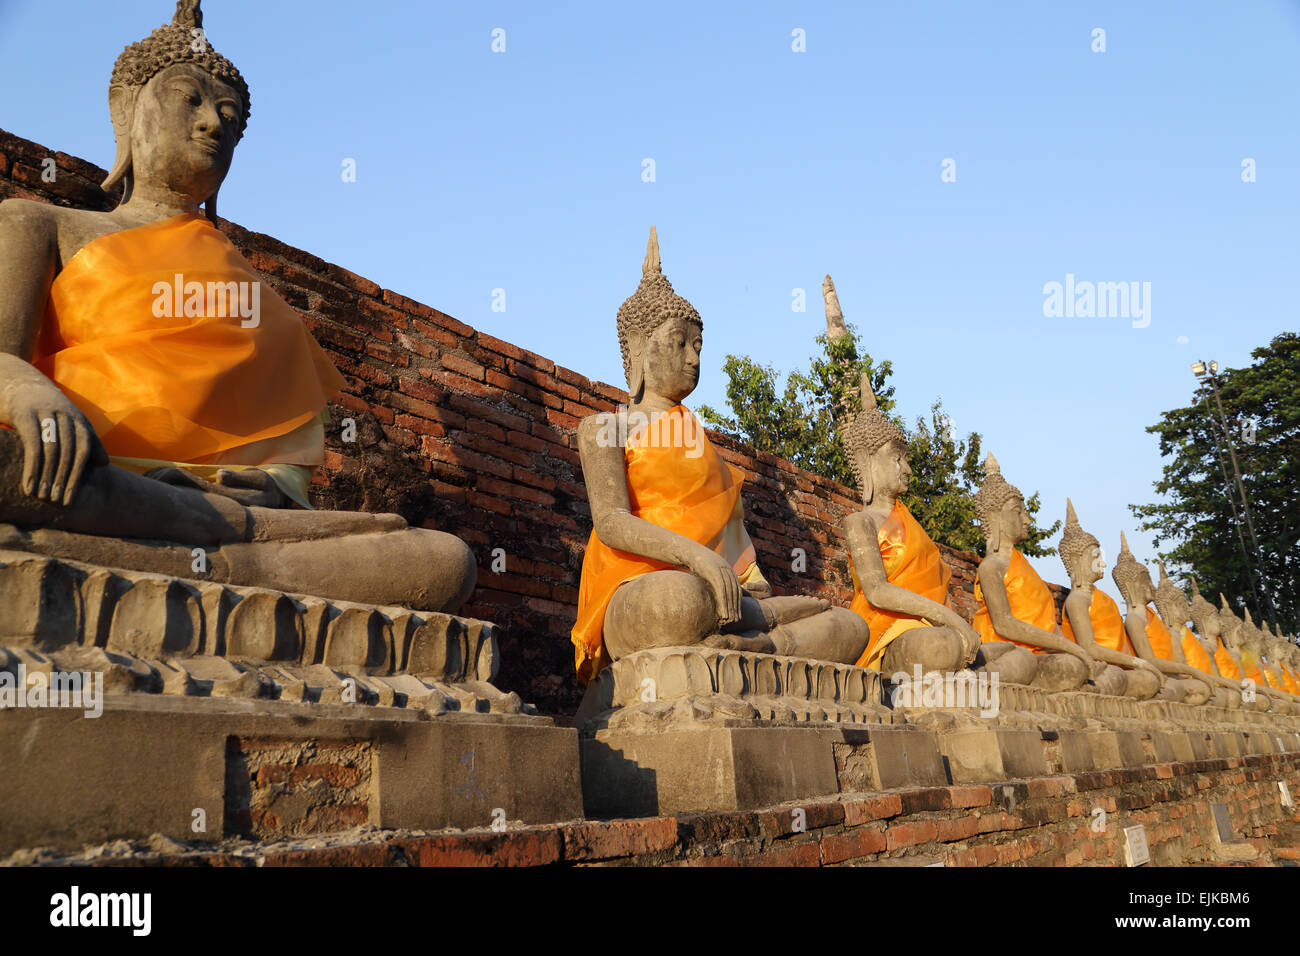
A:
x: 860, y: 842
x: 865, y: 809
x: 617, y: 838
x: 910, y: 834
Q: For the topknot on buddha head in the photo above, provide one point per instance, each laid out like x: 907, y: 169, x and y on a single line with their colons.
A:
x: 992, y: 498
x: 1075, y: 542
x: 866, y: 432
x: 1129, y: 574
x: 181, y: 41
x: 653, y: 304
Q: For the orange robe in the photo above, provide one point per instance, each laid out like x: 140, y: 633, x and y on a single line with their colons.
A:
x: 912, y: 561
x: 1195, y: 654
x: 1162, y: 642
x: 1289, y: 679
x: 1030, y: 600
x: 693, y: 493
x: 191, y: 384
x: 1227, y: 666
x: 1107, y: 624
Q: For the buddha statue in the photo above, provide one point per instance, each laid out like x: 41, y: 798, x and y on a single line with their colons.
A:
x: 1175, y: 611
x: 1016, y: 615
x: 156, y: 400
x: 1148, y: 634
x: 669, y: 561
x: 1278, y: 650
x: 900, y: 582
x: 1209, y: 627
x: 1091, y: 618
x: 1253, y: 643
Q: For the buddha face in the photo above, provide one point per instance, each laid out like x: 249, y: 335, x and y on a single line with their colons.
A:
x: 184, y: 129
x: 1230, y: 631
x: 1013, y: 521
x: 889, y: 469
x: 671, y: 358
x: 1207, y: 624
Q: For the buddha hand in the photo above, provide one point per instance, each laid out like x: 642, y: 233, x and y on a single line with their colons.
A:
x: 251, y: 487
x: 58, y: 442
x: 722, y: 581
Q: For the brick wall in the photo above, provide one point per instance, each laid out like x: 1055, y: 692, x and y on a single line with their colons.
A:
x: 1048, y: 821
x: 461, y: 431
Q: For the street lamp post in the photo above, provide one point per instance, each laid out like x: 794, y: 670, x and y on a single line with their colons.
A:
x: 1208, y: 372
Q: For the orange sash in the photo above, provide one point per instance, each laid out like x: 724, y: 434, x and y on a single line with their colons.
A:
x: 692, y: 492
x: 188, y: 384
x: 912, y: 561
x: 1289, y: 679
x: 1030, y: 600
x: 1162, y: 642
x: 1107, y: 624
x: 1227, y: 666
x: 1196, y: 655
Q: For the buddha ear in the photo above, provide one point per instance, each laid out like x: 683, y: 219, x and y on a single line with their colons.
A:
x: 121, y: 105
x: 636, y: 348
x: 868, y: 480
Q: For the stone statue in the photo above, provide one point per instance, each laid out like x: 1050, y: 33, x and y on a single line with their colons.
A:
x: 1278, y: 649
x: 1175, y: 611
x: 1255, y: 643
x: 1092, y: 620
x: 1017, y: 615
x: 1209, y: 627
x: 899, y: 577
x: 156, y: 423
x: 669, y: 561
x: 1235, y: 639
x: 1148, y: 634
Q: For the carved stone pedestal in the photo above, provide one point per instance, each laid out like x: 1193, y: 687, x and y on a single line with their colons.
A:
x: 208, y: 769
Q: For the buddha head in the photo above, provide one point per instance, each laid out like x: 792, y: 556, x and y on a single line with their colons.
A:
x: 1230, y: 626
x: 876, y: 448
x: 178, y: 109
x: 1000, y: 508
x: 1205, y: 618
x: 660, y: 334
x: 1252, y: 638
x: 1080, y: 552
x: 1132, y: 577
x: 1171, y: 602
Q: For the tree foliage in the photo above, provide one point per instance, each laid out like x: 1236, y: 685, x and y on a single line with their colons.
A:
x: 798, y: 421
x: 1261, y: 404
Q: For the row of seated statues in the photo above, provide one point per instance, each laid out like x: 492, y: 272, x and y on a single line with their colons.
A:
x: 130, y: 439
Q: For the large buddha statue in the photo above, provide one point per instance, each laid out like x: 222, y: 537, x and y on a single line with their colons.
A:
x: 669, y: 561
x: 1149, y: 636
x: 1016, y: 616
x: 1278, y: 650
x: 1253, y: 643
x: 900, y: 582
x: 157, y: 401
x: 1091, y: 618
x: 1175, y: 611
x: 1288, y: 655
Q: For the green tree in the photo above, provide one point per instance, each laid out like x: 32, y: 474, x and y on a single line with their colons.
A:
x: 798, y: 422
x: 1261, y: 404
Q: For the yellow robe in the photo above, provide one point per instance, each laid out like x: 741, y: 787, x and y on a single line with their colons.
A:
x: 1289, y: 679
x: 168, y: 376
x: 669, y: 484
x: 912, y: 561
x: 1162, y: 642
x: 1195, y: 654
x: 1029, y: 597
x: 1107, y: 624
x: 1227, y: 666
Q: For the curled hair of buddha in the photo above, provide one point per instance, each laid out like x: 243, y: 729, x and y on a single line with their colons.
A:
x: 652, y: 304
x: 866, y: 432
x: 181, y: 41
x: 1171, y: 602
x: 1128, y: 571
x: 995, y: 492
x: 1075, y: 542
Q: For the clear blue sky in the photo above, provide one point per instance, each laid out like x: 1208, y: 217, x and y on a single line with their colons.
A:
x: 522, y: 171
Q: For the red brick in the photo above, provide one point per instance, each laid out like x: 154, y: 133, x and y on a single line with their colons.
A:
x: 617, y: 838
x: 351, y: 280
x: 976, y: 796
x: 910, y: 834
x: 462, y: 366
x: 780, y: 821
x: 531, y: 847
x: 986, y: 855
x: 957, y: 828
x: 928, y: 798
x: 366, y: 854
x: 1008, y: 853
x: 865, y: 809
x: 860, y: 842
x: 799, y: 854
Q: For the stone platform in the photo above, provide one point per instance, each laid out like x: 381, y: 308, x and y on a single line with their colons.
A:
x: 253, y: 712
x: 690, y: 729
